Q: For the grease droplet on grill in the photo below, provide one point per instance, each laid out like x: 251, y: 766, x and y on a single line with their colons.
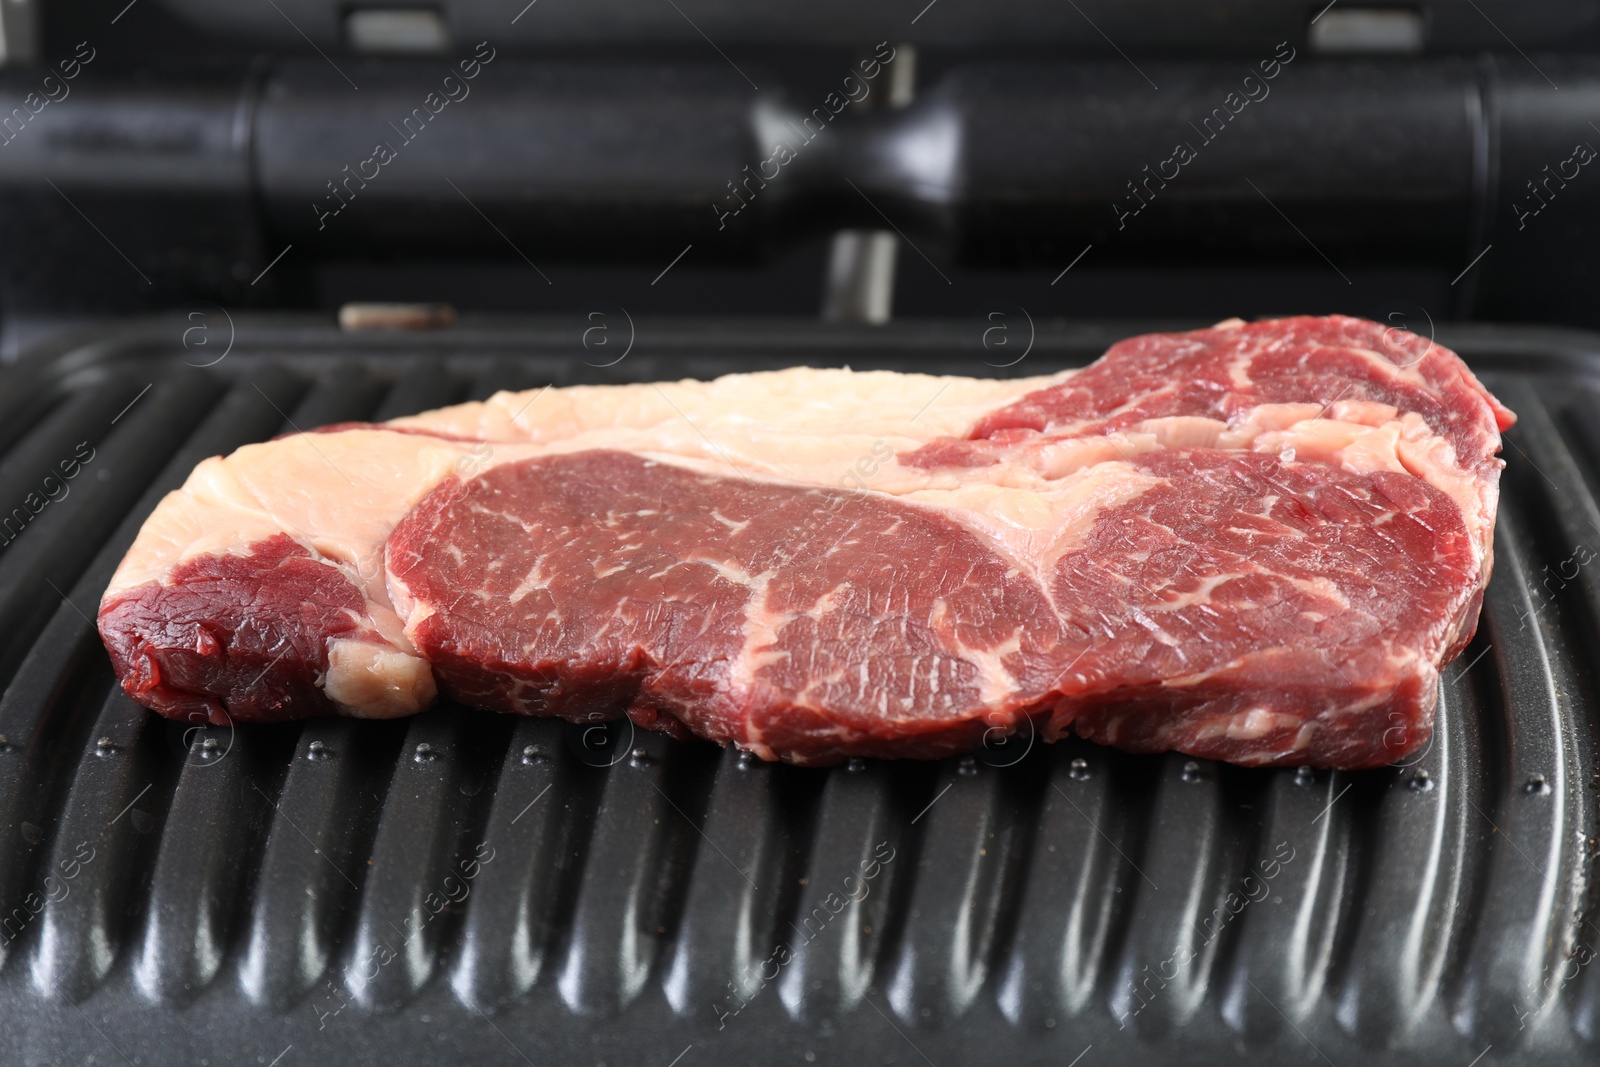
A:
x: 1304, y: 776
x: 317, y: 750
x: 1536, y: 785
x: 424, y: 753
x: 105, y: 747
x: 968, y: 765
x: 1079, y: 770
x: 855, y: 765
x: 533, y: 754
x: 1191, y: 772
x: 1421, y: 782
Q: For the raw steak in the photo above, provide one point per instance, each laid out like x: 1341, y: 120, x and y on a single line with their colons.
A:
x: 1256, y: 543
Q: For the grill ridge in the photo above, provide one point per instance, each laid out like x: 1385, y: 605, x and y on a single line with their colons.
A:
x: 1515, y: 901
x: 514, y: 908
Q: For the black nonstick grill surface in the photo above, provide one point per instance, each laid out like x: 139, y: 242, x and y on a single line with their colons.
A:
x: 464, y: 887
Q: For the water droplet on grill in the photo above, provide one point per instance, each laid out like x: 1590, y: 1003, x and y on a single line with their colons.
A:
x: 424, y: 753
x: 1421, y: 782
x: 1191, y: 771
x: 1079, y: 770
x: 1536, y: 785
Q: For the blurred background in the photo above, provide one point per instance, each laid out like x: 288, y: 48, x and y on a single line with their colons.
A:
x: 1071, y: 159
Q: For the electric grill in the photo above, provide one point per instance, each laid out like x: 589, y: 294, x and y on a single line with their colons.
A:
x: 469, y: 887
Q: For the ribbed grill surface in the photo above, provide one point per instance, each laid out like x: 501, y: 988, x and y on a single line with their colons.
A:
x: 464, y: 887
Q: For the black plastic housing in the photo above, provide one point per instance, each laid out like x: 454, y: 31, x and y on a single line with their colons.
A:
x: 141, y: 193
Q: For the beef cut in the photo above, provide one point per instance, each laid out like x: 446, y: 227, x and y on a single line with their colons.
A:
x: 1256, y: 543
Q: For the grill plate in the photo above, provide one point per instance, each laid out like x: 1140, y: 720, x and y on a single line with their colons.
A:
x: 523, y: 890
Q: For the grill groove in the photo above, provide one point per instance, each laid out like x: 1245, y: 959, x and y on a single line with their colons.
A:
x: 726, y: 938
x: 515, y: 899
x: 1080, y: 884
x: 620, y: 920
x: 84, y: 923
x: 1303, y: 860
x: 856, y: 814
